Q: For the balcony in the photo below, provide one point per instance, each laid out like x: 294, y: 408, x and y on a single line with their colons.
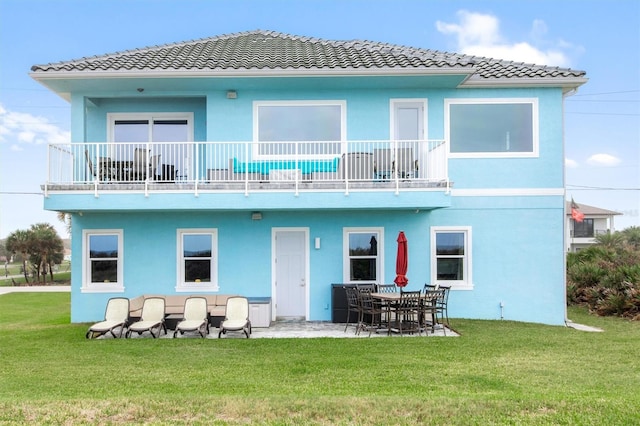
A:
x: 248, y: 167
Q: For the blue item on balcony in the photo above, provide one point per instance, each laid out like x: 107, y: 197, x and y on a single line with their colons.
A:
x: 305, y: 166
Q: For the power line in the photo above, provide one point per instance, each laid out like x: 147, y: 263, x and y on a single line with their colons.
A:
x: 606, y: 93
x: 616, y: 114
x: 20, y: 193
x: 599, y: 188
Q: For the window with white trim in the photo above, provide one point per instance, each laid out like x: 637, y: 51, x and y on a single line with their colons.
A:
x: 102, y: 261
x: 299, y: 128
x: 492, y: 127
x: 155, y: 133
x: 197, y: 260
x: 451, y: 256
x: 362, y: 256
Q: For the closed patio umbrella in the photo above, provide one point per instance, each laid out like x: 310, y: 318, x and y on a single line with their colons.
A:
x: 402, y: 262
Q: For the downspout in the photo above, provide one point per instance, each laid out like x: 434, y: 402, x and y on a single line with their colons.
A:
x: 564, y: 204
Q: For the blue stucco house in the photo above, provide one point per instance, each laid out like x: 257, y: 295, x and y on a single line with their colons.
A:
x: 272, y: 165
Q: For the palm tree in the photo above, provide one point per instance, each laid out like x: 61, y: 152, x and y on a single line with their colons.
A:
x: 45, y: 246
x: 18, y: 242
x: 613, y: 241
x: 66, y: 219
x: 632, y: 236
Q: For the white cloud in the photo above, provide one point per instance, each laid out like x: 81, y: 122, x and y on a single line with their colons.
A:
x: 479, y: 35
x: 22, y: 128
x: 605, y: 160
x: 570, y: 164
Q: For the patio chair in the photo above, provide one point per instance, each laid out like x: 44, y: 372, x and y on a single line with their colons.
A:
x: 103, y: 172
x: 387, y: 306
x: 443, y: 301
x: 383, y: 163
x: 405, y: 165
x: 152, y: 318
x: 434, y: 304
x: 372, y: 310
x: 196, y: 317
x: 408, y: 312
x: 236, y: 316
x: 353, y: 305
x: 143, y: 166
x: 115, y: 318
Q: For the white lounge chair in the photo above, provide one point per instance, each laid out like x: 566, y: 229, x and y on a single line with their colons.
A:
x: 115, y: 317
x: 195, y: 317
x: 152, y: 318
x: 236, y: 316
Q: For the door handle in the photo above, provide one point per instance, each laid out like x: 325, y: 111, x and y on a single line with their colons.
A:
x: 302, y: 283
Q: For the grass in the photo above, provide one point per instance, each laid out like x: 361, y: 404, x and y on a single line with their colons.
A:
x: 61, y: 276
x: 498, y: 372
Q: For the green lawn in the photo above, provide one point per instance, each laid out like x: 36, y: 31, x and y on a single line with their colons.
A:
x: 498, y: 372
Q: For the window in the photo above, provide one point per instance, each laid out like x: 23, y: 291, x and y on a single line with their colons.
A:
x: 288, y: 122
x: 197, y: 260
x: 102, y: 261
x: 451, y: 258
x: 583, y: 229
x: 154, y: 132
x: 363, y: 261
x: 492, y: 127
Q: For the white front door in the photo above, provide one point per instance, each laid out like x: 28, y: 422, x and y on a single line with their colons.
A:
x: 290, y: 278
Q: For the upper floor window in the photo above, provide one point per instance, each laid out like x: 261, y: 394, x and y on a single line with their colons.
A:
x: 304, y: 122
x: 102, y: 261
x: 163, y: 135
x: 362, y: 259
x: 583, y: 229
x: 451, y: 256
x: 492, y: 127
x: 197, y: 260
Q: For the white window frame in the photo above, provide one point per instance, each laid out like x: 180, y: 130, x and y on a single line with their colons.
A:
x: 150, y: 116
x: 110, y: 287
x: 493, y: 101
x: 346, y: 258
x: 467, y: 282
x: 181, y: 285
x: 256, y: 131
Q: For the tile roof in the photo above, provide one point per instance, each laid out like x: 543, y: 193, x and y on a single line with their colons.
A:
x: 269, y: 50
x: 590, y: 210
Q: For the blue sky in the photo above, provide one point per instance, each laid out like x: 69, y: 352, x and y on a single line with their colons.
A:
x: 602, y: 37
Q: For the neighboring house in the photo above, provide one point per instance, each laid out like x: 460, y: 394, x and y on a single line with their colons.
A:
x: 272, y: 165
x: 581, y: 234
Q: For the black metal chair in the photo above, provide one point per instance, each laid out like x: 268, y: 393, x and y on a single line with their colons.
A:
x: 353, y: 305
x: 443, y: 301
x: 372, y: 310
x: 408, y: 312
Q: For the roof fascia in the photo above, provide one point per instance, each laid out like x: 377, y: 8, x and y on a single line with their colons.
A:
x: 350, y: 72
x: 567, y: 83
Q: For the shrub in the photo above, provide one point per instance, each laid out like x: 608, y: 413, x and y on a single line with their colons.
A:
x: 606, y: 277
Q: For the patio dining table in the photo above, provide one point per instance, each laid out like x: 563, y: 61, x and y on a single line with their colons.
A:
x: 391, y: 301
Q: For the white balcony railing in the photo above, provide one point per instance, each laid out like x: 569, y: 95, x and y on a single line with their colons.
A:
x: 107, y: 165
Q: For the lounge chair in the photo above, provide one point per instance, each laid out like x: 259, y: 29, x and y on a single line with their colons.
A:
x: 152, y: 318
x: 236, y: 316
x: 115, y: 317
x: 195, y: 317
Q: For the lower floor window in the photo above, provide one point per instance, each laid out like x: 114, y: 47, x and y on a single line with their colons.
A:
x: 197, y: 259
x: 103, y: 257
x: 362, y: 258
x: 451, y: 256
